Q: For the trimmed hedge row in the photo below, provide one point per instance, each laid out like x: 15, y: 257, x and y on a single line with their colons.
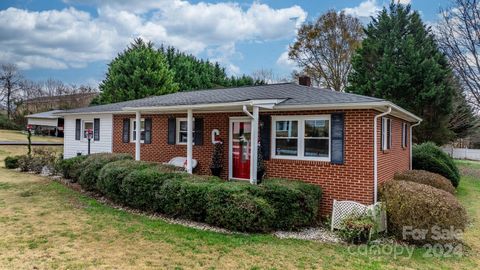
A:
x: 421, y: 207
x: 111, y: 176
x: 239, y: 206
x: 70, y: 168
x: 90, y: 168
x: 426, y: 178
x: 429, y: 157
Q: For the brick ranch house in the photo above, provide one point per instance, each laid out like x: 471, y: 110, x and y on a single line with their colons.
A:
x: 343, y: 142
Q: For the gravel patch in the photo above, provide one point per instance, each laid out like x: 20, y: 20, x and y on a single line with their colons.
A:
x: 318, y: 234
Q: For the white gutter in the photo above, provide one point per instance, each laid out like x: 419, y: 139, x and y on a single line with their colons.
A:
x: 264, y: 103
x: 257, y: 102
x: 375, y: 154
x: 411, y: 141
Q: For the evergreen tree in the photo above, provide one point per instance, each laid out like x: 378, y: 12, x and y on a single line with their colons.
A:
x: 400, y: 61
x: 139, y: 71
x: 463, y: 120
x: 142, y: 70
x: 192, y: 73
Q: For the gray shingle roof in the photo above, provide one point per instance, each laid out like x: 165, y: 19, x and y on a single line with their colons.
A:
x: 49, y: 114
x: 292, y: 93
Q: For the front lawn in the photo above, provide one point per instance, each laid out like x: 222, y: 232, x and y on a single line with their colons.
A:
x: 20, y: 136
x: 47, y: 225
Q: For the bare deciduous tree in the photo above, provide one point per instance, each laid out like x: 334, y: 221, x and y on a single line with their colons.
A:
x: 52, y: 87
x: 10, y: 78
x: 324, y: 48
x: 267, y: 76
x: 30, y: 89
x: 459, y: 38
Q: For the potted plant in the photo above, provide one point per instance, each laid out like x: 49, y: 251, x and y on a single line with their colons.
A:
x: 260, y: 165
x: 217, y: 159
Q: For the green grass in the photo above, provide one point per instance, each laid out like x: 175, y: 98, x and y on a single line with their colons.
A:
x: 53, y: 226
x: 16, y: 135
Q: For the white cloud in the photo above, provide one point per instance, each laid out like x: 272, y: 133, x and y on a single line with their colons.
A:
x: 286, y: 63
x: 54, y: 39
x: 73, y: 38
x: 404, y: 2
x: 364, y: 9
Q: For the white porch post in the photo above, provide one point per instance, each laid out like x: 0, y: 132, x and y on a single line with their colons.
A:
x: 254, y: 149
x: 189, y: 140
x: 138, y: 126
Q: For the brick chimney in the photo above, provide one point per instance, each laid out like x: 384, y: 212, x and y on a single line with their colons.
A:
x: 304, y: 80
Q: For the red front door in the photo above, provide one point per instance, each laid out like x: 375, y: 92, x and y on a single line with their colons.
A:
x: 241, y: 139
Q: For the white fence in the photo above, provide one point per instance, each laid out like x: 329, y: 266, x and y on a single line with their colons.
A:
x: 463, y: 153
x: 344, y: 209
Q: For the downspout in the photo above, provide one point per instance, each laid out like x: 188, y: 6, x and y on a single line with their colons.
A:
x: 245, y: 110
x: 411, y: 141
x: 375, y: 154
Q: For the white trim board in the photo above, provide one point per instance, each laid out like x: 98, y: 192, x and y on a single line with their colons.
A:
x: 300, y: 136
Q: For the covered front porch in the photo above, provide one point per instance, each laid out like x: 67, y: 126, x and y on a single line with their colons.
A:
x: 240, y: 139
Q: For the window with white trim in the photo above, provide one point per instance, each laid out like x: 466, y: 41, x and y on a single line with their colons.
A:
x: 386, y: 133
x: 181, y: 130
x: 133, y: 135
x: 301, y: 137
x: 86, y: 126
x: 404, y: 135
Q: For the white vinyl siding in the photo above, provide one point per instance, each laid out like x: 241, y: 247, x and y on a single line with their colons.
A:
x: 49, y: 122
x: 72, y: 147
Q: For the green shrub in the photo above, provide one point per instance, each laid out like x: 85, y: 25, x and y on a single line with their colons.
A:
x: 429, y: 157
x: 422, y: 207
x: 168, y: 198
x: 296, y: 203
x: 71, y: 168
x: 356, y: 229
x: 140, y: 188
x: 426, y: 178
x: 232, y: 207
x: 11, y: 162
x: 112, y: 174
x: 193, y: 197
x: 93, y: 164
x: 6, y: 123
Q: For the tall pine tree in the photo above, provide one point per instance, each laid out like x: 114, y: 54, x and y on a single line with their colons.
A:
x: 400, y: 61
x: 139, y: 71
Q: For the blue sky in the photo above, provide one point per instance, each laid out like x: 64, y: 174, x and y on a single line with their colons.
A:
x: 73, y: 40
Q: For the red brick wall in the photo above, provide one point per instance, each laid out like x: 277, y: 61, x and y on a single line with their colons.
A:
x: 160, y: 151
x: 351, y: 181
x: 396, y: 158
